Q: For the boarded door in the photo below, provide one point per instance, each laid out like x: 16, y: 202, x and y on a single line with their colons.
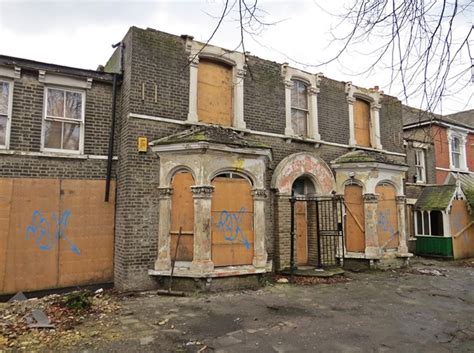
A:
x: 355, y: 219
x: 232, y: 222
x: 362, y: 123
x: 182, y: 215
x: 462, y: 230
x: 301, y: 232
x: 54, y: 233
x: 387, y: 218
x: 215, y: 91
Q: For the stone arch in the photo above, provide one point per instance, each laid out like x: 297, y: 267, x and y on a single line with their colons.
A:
x: 303, y: 164
x: 354, y: 181
x: 172, y: 172
x: 247, y: 174
x: 396, y: 186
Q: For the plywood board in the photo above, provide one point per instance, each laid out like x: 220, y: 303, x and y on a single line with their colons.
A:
x: 182, y: 216
x: 463, y: 234
x: 215, y: 90
x: 362, y: 123
x: 86, y: 233
x: 32, y: 253
x: 355, y: 219
x: 301, y: 221
x: 6, y: 189
x: 232, y: 222
x: 387, y: 217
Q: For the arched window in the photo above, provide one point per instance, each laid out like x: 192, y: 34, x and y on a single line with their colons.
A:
x: 299, y: 108
x: 215, y: 92
x: 456, y: 152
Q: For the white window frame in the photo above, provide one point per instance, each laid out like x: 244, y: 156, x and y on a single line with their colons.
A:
x: 420, y: 157
x: 305, y: 110
x: 63, y: 119
x: 10, y: 83
x: 462, y: 137
x: 426, y: 228
x: 312, y: 81
x: 373, y: 97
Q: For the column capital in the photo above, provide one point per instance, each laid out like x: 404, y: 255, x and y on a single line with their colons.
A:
x: 313, y: 90
x: 370, y: 198
x: 375, y: 106
x: 289, y: 84
x: 193, y: 60
x: 400, y: 199
x: 240, y: 73
x: 165, y: 193
x: 202, y: 191
x: 350, y: 100
x: 259, y: 194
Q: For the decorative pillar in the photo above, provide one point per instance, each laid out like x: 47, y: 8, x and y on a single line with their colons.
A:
x: 193, y: 83
x: 239, y: 99
x: 260, y: 254
x: 313, y: 103
x: 350, y: 102
x: 202, y: 260
x: 288, y: 127
x: 402, y: 246
x: 163, y: 262
x: 372, y: 249
x: 375, y: 117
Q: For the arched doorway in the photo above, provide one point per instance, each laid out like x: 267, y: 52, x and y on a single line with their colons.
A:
x: 182, y: 216
x: 232, y: 230
x: 387, y: 217
x: 355, y: 218
x: 305, y: 234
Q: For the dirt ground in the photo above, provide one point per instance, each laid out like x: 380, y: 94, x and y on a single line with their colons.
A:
x: 428, y: 307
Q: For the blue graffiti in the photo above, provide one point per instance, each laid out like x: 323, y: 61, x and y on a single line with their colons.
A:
x: 41, y: 231
x: 384, y: 223
x: 229, y: 224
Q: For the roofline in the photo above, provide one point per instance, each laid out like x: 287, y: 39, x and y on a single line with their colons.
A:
x: 436, y: 121
x: 28, y: 64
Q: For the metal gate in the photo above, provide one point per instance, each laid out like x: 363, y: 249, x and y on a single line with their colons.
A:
x: 326, y: 213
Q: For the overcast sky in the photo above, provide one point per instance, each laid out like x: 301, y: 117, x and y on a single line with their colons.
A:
x: 80, y: 34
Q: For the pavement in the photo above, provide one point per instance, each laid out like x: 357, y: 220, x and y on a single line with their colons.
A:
x: 428, y: 307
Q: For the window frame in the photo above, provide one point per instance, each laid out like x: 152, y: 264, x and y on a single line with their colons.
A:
x: 45, y: 118
x: 461, y: 137
x: 422, y: 217
x: 421, y: 165
x: 10, y: 83
x: 295, y: 81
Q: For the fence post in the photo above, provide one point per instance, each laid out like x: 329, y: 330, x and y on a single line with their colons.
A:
x: 292, y: 237
x: 319, y: 235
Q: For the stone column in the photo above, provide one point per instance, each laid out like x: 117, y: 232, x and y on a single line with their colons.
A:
x: 260, y: 253
x: 202, y: 260
x: 239, y: 99
x: 402, y: 247
x: 163, y: 262
x: 372, y: 248
x: 375, y: 117
x: 288, y: 87
x: 313, y: 103
x: 193, y: 83
x: 350, y: 102
x: 282, y: 231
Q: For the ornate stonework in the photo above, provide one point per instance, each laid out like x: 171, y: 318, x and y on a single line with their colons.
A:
x: 370, y: 198
x: 259, y: 194
x: 165, y: 193
x: 202, y: 191
x: 400, y: 199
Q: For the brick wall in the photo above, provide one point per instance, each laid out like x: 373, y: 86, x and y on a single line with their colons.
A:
x: 470, y: 152
x: 440, y: 140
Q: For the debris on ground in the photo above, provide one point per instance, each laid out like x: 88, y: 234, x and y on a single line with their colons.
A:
x: 54, y: 320
x: 282, y: 280
x: 309, y: 280
x: 430, y: 272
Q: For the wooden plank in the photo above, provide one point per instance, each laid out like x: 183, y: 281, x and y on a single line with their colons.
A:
x: 387, y: 217
x: 232, y: 222
x: 355, y: 218
x: 32, y: 252
x: 6, y: 190
x: 301, y: 221
x: 87, y: 233
x: 215, y: 90
x: 362, y: 123
x: 463, y: 234
x: 182, y: 215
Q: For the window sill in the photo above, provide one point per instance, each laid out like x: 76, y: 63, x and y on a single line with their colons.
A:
x: 55, y: 155
x: 302, y: 139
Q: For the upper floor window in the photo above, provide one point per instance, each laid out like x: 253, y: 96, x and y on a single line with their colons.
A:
x: 457, y: 149
x: 420, y: 170
x: 214, y: 93
x: 362, y: 128
x: 63, y: 123
x: 299, y: 108
x: 5, y: 112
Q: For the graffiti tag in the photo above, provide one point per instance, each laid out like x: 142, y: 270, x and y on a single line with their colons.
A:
x: 229, y: 224
x: 384, y: 223
x: 42, y: 232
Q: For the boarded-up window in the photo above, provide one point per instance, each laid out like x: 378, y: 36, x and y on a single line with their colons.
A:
x: 182, y: 216
x: 362, y: 123
x: 215, y: 92
x: 355, y: 219
x: 387, y: 217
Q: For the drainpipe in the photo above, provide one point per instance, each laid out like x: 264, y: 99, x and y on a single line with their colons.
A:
x: 112, y: 127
